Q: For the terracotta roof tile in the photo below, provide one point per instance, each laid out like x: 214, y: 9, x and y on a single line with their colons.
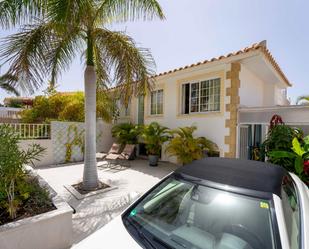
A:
x: 254, y: 47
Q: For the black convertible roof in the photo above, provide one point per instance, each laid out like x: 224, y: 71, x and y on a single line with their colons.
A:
x: 253, y: 175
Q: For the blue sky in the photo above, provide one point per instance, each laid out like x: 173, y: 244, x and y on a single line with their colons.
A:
x: 196, y: 30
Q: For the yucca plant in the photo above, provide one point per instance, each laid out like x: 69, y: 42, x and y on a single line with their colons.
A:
x: 154, y: 135
x: 186, y: 147
x: 57, y: 31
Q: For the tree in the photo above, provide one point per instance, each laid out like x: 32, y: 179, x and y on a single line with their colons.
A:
x: 6, y: 81
x: 61, y: 29
x: 303, y: 100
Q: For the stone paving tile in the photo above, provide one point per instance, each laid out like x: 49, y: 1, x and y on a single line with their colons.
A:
x: 95, y: 211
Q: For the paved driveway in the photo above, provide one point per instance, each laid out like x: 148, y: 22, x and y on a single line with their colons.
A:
x: 95, y: 211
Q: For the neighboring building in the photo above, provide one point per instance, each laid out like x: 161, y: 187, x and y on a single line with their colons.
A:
x: 10, y: 113
x: 19, y: 102
x: 230, y: 99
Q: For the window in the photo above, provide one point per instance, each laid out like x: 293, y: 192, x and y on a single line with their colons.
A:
x: 183, y: 214
x: 124, y: 110
x: 203, y: 96
x: 291, y: 212
x: 156, y: 102
x: 127, y: 109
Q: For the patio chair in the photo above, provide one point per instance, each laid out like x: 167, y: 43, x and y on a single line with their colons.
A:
x: 115, y: 149
x: 123, y: 159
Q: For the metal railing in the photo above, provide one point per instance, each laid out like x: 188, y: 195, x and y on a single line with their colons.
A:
x: 31, y: 131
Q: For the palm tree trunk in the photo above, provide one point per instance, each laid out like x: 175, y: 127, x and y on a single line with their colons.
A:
x: 90, y: 176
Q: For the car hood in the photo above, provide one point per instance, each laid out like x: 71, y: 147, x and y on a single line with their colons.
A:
x: 113, y: 235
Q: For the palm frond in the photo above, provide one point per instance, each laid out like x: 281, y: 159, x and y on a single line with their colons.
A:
x: 102, y: 69
x: 7, y: 82
x: 122, y: 10
x: 65, y: 45
x: 132, y: 66
x: 302, y: 99
x: 69, y: 12
x: 26, y: 53
x: 105, y: 105
x: 15, y: 12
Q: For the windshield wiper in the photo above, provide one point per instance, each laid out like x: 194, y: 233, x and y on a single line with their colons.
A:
x: 140, y: 233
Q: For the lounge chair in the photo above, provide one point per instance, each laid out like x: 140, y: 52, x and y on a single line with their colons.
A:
x: 123, y: 159
x: 115, y: 149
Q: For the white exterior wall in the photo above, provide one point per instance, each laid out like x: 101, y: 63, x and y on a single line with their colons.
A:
x: 258, y: 88
x: 251, y: 90
x: 280, y: 96
x: 255, y: 92
x: 269, y: 95
x: 210, y: 125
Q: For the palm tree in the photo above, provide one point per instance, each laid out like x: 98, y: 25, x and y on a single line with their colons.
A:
x: 303, y: 100
x: 60, y: 31
x: 6, y: 84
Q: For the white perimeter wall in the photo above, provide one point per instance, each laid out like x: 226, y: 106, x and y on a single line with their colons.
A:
x: 47, y: 158
x: 53, y: 156
x: 104, y: 136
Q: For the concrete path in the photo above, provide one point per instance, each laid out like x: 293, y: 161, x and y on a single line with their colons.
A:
x: 95, y: 211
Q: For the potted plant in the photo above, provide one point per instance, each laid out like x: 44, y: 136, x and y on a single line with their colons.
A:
x: 154, y: 135
x: 126, y: 133
x: 186, y: 147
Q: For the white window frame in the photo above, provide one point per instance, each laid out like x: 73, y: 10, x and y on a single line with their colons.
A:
x: 156, y: 104
x: 199, y: 96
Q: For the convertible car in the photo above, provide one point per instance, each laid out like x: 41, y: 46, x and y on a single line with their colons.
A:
x: 214, y: 203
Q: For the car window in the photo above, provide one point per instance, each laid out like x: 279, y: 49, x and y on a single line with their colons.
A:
x: 291, y: 212
x: 187, y: 215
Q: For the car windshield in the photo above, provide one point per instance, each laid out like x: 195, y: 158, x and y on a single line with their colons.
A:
x: 184, y: 214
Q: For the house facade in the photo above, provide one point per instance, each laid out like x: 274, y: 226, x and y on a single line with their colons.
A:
x: 210, y: 95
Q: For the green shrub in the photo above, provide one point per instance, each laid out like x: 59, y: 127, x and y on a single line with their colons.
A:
x: 65, y: 107
x: 126, y: 133
x: 188, y: 148
x: 14, y: 185
x: 279, y: 138
x: 299, y: 156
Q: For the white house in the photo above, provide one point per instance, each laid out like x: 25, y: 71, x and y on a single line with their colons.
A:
x: 229, y: 98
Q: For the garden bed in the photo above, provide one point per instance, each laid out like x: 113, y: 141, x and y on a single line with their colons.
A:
x: 38, y: 202
x: 77, y: 191
x: 79, y: 187
x: 48, y: 225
